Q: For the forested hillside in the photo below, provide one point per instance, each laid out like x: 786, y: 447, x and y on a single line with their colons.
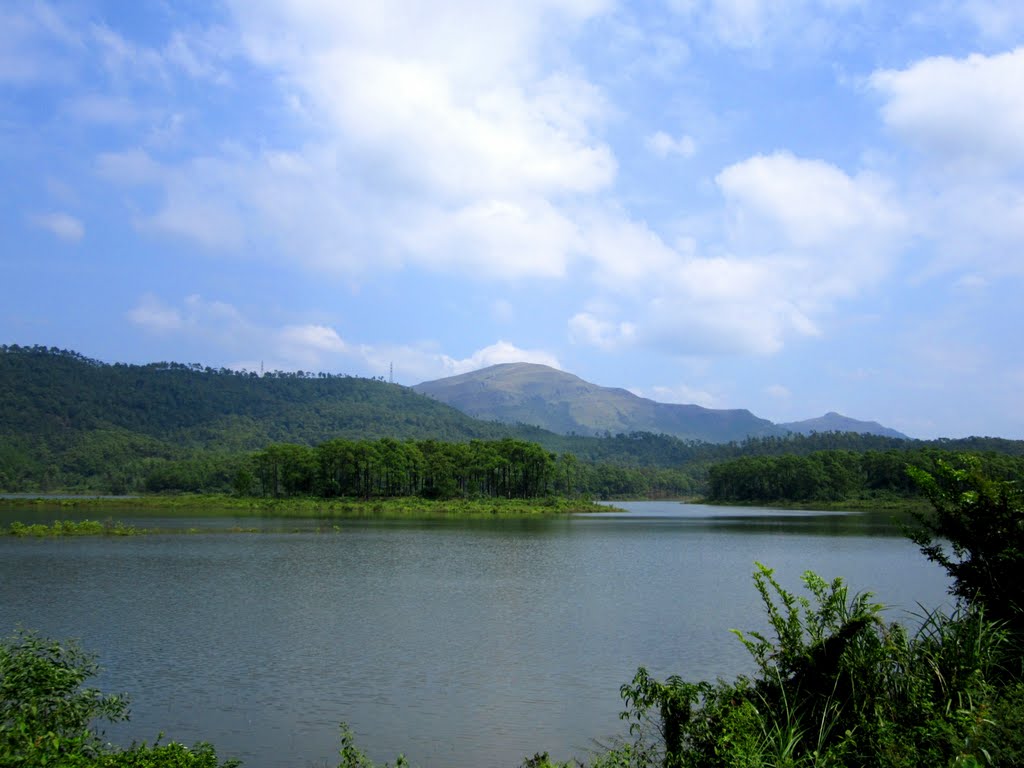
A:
x: 69, y: 422
x: 65, y: 418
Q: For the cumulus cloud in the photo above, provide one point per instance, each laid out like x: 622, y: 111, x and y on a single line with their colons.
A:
x: 799, y: 236
x: 965, y: 117
x: 494, y: 239
x: 968, y: 112
x: 446, y: 139
x: 809, y: 202
x: 61, y: 225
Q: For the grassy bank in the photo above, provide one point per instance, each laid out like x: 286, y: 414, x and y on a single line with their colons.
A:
x: 316, y: 508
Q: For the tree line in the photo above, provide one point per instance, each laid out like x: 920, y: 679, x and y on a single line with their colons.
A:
x: 433, y: 469
x: 835, y: 475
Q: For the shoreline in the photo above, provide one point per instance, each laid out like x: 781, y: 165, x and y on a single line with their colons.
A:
x: 214, y: 505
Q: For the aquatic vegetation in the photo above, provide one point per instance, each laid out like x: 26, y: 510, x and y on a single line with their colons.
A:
x: 73, y: 528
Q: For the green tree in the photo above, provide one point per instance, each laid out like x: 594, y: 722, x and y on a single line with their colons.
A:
x: 976, y: 532
x: 46, y: 712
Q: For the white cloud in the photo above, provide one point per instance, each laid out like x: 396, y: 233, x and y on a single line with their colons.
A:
x: 311, y: 346
x: 799, y: 236
x: 810, y: 203
x: 33, y: 41
x: 499, y: 352
x: 680, y: 393
x: 132, y: 167
x: 60, y: 225
x: 972, y: 283
x: 965, y: 117
x: 587, y: 328
x: 779, y: 392
x: 458, y: 101
x: 968, y: 113
x: 152, y: 314
x: 663, y: 145
x: 206, y: 221
x: 453, y: 136
x: 995, y: 19
x: 494, y: 238
x: 757, y: 25
x: 627, y: 255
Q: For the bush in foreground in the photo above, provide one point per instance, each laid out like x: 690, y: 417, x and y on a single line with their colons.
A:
x: 48, y: 717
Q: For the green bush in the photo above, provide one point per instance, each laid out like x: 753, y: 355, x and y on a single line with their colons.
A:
x: 838, y: 687
x: 48, y: 717
x: 46, y: 713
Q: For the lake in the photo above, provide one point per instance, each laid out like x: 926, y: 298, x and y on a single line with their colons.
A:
x: 457, y: 643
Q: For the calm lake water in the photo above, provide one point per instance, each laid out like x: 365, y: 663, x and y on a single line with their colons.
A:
x: 458, y: 643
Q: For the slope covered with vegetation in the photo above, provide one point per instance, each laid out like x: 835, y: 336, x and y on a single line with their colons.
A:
x: 71, y: 423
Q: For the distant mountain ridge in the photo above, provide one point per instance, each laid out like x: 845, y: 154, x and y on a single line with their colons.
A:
x: 542, y: 396
x: 561, y: 402
x: 836, y: 422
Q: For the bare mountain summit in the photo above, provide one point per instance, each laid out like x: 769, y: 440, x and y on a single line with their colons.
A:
x: 528, y: 393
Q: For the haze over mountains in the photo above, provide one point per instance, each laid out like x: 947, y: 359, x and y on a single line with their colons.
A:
x: 539, y: 395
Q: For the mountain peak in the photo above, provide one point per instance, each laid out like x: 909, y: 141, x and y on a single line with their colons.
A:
x: 532, y: 393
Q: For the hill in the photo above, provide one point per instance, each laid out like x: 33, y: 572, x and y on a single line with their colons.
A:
x: 529, y: 393
x: 71, y: 422
x: 50, y: 392
x: 65, y: 417
x: 836, y: 422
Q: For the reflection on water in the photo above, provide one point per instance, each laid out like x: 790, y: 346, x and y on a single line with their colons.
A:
x: 460, y: 643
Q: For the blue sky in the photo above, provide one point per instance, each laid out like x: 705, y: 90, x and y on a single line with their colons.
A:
x: 791, y: 206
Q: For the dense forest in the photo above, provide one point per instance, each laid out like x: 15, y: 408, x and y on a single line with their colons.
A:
x: 834, y: 475
x: 68, y: 422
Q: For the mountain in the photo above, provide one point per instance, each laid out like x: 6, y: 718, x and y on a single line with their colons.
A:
x: 836, y: 422
x: 529, y: 393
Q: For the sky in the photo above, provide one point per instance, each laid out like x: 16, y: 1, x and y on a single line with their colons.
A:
x: 789, y: 206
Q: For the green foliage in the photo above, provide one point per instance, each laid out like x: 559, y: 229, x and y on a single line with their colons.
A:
x: 976, y: 533
x: 72, y: 528
x: 836, y: 475
x: 48, y: 716
x: 837, y: 687
x: 158, y: 756
x: 46, y: 712
x: 353, y: 757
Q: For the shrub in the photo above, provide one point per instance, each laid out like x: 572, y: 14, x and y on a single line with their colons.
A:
x: 48, y: 716
x: 46, y: 713
x: 976, y: 533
